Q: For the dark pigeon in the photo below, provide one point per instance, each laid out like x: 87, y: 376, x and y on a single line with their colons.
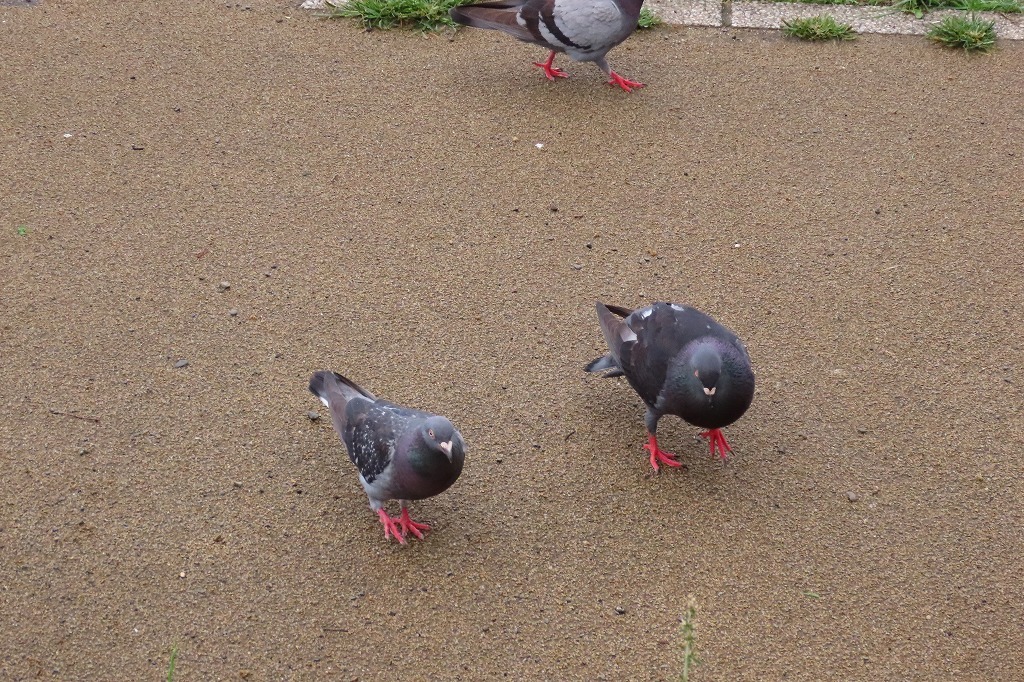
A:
x: 583, y: 29
x: 401, y: 454
x: 681, y: 362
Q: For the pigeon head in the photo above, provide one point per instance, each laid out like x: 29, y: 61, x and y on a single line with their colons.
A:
x: 440, y: 435
x: 706, y: 363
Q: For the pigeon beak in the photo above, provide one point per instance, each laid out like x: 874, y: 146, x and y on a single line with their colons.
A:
x: 446, y: 448
x: 709, y: 391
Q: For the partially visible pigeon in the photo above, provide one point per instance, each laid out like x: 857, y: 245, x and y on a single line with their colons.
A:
x: 583, y: 29
x: 681, y: 362
x: 401, y: 454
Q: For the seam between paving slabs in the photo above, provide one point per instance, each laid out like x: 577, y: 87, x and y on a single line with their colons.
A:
x: 745, y: 14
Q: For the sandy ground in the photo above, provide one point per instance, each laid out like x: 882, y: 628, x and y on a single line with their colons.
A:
x: 379, y: 207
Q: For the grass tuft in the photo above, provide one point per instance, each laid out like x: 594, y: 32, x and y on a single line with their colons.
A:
x: 970, y: 33
x: 22, y: 231
x: 823, y: 27
x: 919, y: 7
x: 688, y: 633
x: 648, y: 19
x: 423, y: 15
x: 170, y: 666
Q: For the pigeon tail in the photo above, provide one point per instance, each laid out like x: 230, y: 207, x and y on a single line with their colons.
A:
x: 324, y: 385
x: 498, y: 16
x: 604, y: 363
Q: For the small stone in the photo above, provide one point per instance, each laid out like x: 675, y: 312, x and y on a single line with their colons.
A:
x: 861, y: 430
x: 589, y: 245
x: 233, y: 312
x: 181, y: 364
x: 554, y: 208
x: 852, y: 496
x: 182, y: 574
x: 577, y: 266
x: 620, y: 611
x: 224, y: 286
x: 237, y: 484
x: 313, y: 415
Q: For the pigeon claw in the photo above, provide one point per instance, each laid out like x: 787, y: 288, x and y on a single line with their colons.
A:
x: 407, y: 525
x: 716, y: 441
x: 390, y: 526
x: 624, y: 83
x: 659, y: 455
x: 552, y: 72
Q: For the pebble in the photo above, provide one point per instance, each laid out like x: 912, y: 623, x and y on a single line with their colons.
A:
x: 619, y: 610
x: 233, y: 312
x: 852, y: 496
x: 224, y: 286
x: 313, y: 415
x: 861, y: 430
x: 181, y: 363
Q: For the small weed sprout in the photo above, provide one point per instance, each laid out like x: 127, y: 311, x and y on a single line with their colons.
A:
x: 688, y: 634
x: 170, y: 666
x: 648, y: 19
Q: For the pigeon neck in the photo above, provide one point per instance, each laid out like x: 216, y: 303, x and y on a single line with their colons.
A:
x: 631, y: 7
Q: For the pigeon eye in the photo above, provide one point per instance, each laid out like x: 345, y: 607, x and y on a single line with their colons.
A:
x: 696, y: 374
x: 430, y: 432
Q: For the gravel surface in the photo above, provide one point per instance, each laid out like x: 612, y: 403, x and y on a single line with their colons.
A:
x: 857, y: 221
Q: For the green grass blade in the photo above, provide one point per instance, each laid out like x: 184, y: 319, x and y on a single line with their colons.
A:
x: 170, y: 666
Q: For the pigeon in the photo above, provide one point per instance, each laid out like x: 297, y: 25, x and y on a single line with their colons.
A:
x: 401, y: 454
x: 583, y: 29
x: 682, y: 362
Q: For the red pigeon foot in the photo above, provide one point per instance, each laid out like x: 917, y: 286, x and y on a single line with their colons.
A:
x: 552, y: 72
x: 716, y: 440
x: 407, y: 525
x: 624, y: 83
x: 659, y: 455
x: 390, y: 529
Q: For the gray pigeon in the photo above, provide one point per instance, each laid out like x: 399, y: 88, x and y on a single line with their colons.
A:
x: 583, y: 29
x: 681, y: 362
x: 401, y: 454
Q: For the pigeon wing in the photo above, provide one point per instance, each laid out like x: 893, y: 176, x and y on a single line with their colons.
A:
x: 372, y: 433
